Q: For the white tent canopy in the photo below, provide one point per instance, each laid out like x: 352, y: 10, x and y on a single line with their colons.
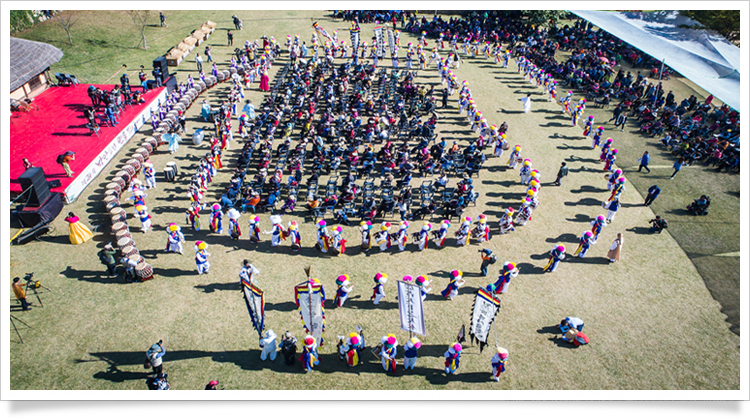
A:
x: 702, y: 56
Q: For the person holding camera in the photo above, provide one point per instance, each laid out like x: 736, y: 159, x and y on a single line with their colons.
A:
x: 487, y: 258
x: 20, y: 294
x: 288, y: 348
x: 657, y: 225
x: 154, y: 356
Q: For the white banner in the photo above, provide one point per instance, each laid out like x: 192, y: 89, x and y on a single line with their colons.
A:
x: 312, y: 313
x: 379, y: 41
x: 355, y: 42
x: 410, y: 308
x: 485, y: 309
x: 97, y: 165
x: 391, y: 42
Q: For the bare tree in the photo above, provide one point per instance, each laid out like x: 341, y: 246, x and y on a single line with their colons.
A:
x: 66, y: 21
x: 140, y: 21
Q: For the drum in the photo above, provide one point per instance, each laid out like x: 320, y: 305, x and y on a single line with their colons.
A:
x: 135, y: 163
x: 125, y: 242
x: 173, y: 165
x: 120, y: 226
x: 201, y: 84
x: 111, y: 193
x: 136, y: 259
x: 169, y: 173
x: 129, y: 251
x: 505, y: 145
x: 124, y: 233
x: 172, y: 115
x: 148, y: 148
x: 144, y: 271
x: 153, y: 142
x: 118, y: 215
x: 140, y: 155
x: 193, y: 93
x: 120, y: 182
x: 241, y: 71
x: 126, y: 176
x: 232, y: 70
x: 114, y: 186
x: 111, y: 202
x: 225, y: 73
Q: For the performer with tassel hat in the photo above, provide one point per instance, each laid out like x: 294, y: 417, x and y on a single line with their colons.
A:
x: 382, y: 238
x: 506, y: 221
x: 364, y: 228
x: 338, y: 243
x: 452, y: 358
x: 605, y: 149
x: 442, y: 234
x: 351, y: 349
x: 309, y: 357
x: 144, y: 217
x: 149, y: 174
x: 403, y: 235
x: 424, y: 235
x: 388, y: 352
x: 254, y: 229
x: 424, y: 285
x: 192, y: 216
x: 344, y: 287
x: 323, y: 237
x: 378, y: 292
x: 585, y: 241
x: 557, y: 254
x: 216, y: 216
x: 610, y: 160
x: 481, y: 232
x: 587, y: 130
x: 175, y: 238
x: 515, y: 157
x: 201, y: 257
x: 508, y: 272
x: 462, y: 235
x: 597, y: 225
x: 295, y: 238
x: 524, y: 213
x: 612, y: 178
x: 456, y: 281
x: 498, y: 363
x: 597, y: 136
x: 277, y: 232
x: 410, y: 352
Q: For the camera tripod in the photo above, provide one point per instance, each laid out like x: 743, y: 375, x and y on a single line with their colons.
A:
x: 34, y: 286
x: 13, y: 320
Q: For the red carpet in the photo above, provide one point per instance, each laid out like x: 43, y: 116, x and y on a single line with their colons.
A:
x: 59, y: 125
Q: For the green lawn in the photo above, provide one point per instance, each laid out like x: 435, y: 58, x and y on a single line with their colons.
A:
x: 652, y: 322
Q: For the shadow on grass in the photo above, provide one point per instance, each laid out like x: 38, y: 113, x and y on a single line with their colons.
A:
x: 91, y: 276
x: 565, y: 237
x: 282, y: 307
x: 210, y: 288
x: 590, y: 260
x: 639, y: 230
x: 580, y: 218
x: 586, y: 189
x: 527, y: 268
x: 566, y: 146
x: 584, y: 202
x: 552, y: 329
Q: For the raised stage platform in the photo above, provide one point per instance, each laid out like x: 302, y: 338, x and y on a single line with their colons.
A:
x: 58, y: 125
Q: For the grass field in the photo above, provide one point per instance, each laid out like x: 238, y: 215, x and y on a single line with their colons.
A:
x: 652, y: 321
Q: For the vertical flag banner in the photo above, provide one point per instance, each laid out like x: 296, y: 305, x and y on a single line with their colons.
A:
x: 410, y: 308
x: 256, y: 304
x: 354, y: 34
x: 391, y: 42
x: 379, y: 41
x: 483, y: 313
x: 322, y: 32
x: 309, y: 299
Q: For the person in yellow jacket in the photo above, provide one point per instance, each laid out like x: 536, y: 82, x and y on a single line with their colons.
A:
x: 20, y: 294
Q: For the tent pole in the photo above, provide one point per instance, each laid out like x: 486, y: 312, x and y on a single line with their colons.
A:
x: 661, y: 71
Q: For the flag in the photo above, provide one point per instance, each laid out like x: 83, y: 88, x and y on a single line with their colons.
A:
x: 379, y: 41
x: 461, y: 337
x: 354, y: 35
x: 391, y: 42
x: 256, y: 304
x: 309, y: 299
x: 483, y: 313
x: 410, y: 308
x: 322, y: 32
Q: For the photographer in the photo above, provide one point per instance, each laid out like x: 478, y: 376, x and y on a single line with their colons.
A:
x: 154, y: 355
x: 288, y: 348
x: 657, y: 225
x: 487, y: 258
x: 20, y: 293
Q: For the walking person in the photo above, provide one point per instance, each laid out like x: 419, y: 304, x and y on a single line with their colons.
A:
x: 487, y: 258
x: 562, y: 173
x: 288, y: 348
x: 20, y: 294
x: 65, y: 162
x: 621, y: 120
x: 107, y: 257
x: 677, y: 166
x: 653, y: 192
x: 78, y: 233
x: 644, y: 162
x: 616, y: 249
x: 230, y: 38
x: 199, y: 62
x: 526, y: 103
x: 207, y: 52
x: 163, y: 20
x: 154, y: 356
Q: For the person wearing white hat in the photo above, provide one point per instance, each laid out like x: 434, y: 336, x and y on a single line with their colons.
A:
x: 462, y: 235
x: 383, y: 238
x: 234, y: 226
x: 403, y: 235
x: 424, y: 235
x: 442, y: 234
x: 277, y: 232
x: 268, y: 344
x: 149, y: 174
x: 364, y: 228
x: 201, y: 257
x: 499, y: 361
x: 248, y: 272
x: 378, y: 292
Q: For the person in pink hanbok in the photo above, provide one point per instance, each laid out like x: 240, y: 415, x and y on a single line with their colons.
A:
x: 264, y: 81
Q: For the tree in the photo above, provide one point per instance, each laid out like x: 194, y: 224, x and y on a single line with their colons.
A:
x: 140, y: 21
x: 725, y: 22
x: 542, y: 17
x: 66, y: 22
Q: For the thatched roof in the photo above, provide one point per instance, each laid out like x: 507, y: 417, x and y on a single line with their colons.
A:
x: 29, y: 58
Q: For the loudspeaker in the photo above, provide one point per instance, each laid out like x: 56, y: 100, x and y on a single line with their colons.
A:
x: 34, y: 180
x: 161, y: 64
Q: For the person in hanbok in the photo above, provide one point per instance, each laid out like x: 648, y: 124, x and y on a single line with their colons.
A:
x: 509, y: 271
x: 268, y: 344
x: 506, y: 221
x: 338, y: 243
x: 145, y: 218
x: 277, y: 232
x: 216, y: 216
x: 206, y: 110
x: 254, y: 229
x: 612, y: 178
x: 78, y: 233
x: 294, y: 236
x: 383, y: 238
x: 410, y: 352
x: 499, y: 360
x: 526, y: 103
x: 388, y: 352
x: 481, y: 231
x: 597, y: 225
x: 424, y: 235
x: 515, y: 157
x: 322, y: 237
x: 524, y: 213
x: 175, y: 238
x: 378, y: 292
x: 364, y: 228
x: 462, y: 235
x: 584, y: 242
x: 344, y: 287
x: 192, y: 216
x: 423, y: 283
x: 234, y: 227
x: 351, y: 349
x: 309, y: 357
x: 174, y: 141
x: 264, y: 81
x: 201, y: 257
x: 525, y: 172
x: 456, y: 281
x: 616, y: 249
x: 557, y: 254
x: 248, y: 272
x: 442, y: 234
x: 452, y: 358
